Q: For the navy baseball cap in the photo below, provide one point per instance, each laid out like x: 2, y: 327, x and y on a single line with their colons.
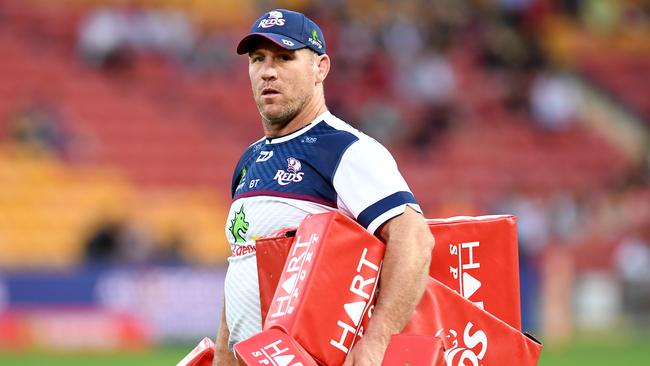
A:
x: 288, y: 29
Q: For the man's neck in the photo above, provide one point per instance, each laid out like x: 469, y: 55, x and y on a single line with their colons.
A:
x: 300, y: 120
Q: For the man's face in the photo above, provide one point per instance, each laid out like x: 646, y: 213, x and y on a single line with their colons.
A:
x: 283, y: 81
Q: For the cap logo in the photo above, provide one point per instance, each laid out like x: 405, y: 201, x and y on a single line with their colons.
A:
x: 288, y: 42
x: 314, y: 40
x: 274, y: 18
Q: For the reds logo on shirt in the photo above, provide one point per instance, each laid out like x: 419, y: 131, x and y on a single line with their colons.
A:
x: 274, y: 18
x: 292, y: 174
x: 293, y: 165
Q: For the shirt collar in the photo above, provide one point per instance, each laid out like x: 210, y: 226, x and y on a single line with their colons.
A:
x: 294, y: 134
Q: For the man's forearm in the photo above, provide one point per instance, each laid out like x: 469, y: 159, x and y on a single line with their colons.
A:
x: 404, y: 274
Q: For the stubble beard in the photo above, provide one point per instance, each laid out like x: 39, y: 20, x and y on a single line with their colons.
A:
x: 287, y: 113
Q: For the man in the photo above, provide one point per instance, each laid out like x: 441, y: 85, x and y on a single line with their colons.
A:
x: 309, y: 161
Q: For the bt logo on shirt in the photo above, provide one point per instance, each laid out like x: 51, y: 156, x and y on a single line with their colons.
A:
x: 292, y: 174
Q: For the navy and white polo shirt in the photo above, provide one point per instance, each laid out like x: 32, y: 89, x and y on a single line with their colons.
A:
x: 327, y: 165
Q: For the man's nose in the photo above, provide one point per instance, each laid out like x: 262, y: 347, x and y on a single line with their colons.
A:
x: 269, y: 71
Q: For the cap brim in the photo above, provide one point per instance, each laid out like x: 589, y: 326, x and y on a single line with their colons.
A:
x: 279, y: 39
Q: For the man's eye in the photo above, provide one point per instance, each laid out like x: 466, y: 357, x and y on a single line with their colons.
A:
x: 256, y: 59
x: 285, y: 57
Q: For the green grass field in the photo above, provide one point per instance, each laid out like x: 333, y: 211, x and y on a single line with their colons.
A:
x: 603, y: 352
x: 593, y: 353
x: 159, y: 357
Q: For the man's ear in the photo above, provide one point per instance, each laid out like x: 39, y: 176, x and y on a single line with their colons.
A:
x: 322, y: 68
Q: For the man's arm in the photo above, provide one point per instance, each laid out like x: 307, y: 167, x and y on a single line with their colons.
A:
x: 222, y: 355
x: 403, y: 280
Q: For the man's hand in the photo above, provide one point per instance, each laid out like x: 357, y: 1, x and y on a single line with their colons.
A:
x: 366, y: 352
x: 222, y: 355
x: 224, y: 359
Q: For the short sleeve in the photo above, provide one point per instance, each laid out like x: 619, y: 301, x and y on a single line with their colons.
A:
x: 369, y: 186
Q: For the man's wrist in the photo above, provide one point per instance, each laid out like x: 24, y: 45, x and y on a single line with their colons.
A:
x: 378, y: 333
x: 224, y: 356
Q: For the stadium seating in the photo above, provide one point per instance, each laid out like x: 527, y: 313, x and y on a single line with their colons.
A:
x: 49, y: 210
x: 625, y: 76
x: 167, y: 131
